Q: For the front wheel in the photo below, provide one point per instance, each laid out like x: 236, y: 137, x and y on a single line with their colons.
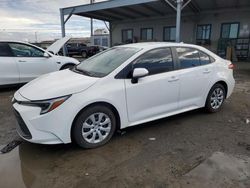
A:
x: 215, y: 98
x: 84, y: 54
x: 94, y: 127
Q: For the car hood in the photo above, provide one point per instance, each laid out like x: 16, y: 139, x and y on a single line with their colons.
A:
x: 66, y: 60
x: 56, y: 46
x: 56, y: 84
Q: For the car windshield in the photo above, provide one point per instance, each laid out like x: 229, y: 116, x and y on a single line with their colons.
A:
x: 107, y: 61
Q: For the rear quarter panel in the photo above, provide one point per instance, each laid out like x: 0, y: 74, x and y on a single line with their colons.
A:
x: 222, y: 73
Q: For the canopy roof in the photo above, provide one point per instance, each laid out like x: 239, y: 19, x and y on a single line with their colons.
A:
x: 118, y: 10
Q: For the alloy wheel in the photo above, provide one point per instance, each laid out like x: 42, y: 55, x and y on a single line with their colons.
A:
x: 217, y: 98
x: 84, y: 54
x: 96, y: 128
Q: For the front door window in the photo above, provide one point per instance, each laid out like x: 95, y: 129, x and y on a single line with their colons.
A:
x: 22, y: 50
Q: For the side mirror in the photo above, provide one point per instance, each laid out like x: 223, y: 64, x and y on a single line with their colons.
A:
x: 46, y: 55
x: 138, y: 73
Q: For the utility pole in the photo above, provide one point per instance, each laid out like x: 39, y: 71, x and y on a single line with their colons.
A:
x: 91, y: 20
x: 36, y: 36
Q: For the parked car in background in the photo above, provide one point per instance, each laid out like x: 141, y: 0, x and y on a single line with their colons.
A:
x: 22, y: 62
x: 94, y: 49
x: 102, y: 48
x: 118, y: 88
x: 80, y: 49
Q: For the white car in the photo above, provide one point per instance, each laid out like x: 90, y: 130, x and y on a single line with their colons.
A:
x: 22, y: 62
x: 118, y: 88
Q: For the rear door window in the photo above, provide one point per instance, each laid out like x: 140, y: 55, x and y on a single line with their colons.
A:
x: 5, y: 50
x: 204, y: 59
x: 188, y: 57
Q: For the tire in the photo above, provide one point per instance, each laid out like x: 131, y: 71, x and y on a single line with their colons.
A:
x: 89, y: 126
x: 69, y: 66
x: 84, y: 54
x: 215, y: 98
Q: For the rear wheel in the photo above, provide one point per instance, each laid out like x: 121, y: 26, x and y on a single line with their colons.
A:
x: 215, y: 98
x: 94, y: 127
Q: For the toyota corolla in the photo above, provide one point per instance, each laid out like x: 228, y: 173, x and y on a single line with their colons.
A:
x: 118, y: 88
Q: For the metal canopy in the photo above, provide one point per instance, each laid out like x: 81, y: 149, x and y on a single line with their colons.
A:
x: 118, y: 10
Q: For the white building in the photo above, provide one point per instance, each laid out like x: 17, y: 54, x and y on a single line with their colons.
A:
x: 101, y: 38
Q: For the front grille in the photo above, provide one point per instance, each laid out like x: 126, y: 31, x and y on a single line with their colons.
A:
x: 21, y: 126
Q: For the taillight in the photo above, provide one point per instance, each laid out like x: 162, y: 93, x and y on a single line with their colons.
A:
x: 231, y: 66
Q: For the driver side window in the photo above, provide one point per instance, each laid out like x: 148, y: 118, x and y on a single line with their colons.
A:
x: 22, y: 50
x: 156, y: 61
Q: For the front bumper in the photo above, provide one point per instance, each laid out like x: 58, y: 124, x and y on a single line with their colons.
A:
x: 51, y: 128
x: 22, y: 129
x: 29, y: 131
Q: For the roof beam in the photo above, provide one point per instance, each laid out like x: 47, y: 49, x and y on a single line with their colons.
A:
x: 171, y: 5
x: 69, y: 16
x: 90, y: 15
x: 134, y: 11
x: 185, y: 4
x: 163, y: 2
x: 152, y: 9
x: 104, y: 5
x: 108, y: 27
x: 104, y: 15
x: 193, y: 5
x: 111, y: 14
x: 226, y: 10
x: 122, y: 14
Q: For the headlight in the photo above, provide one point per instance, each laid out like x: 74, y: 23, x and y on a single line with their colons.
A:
x: 46, y: 105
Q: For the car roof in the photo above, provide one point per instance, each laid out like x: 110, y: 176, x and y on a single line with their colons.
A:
x: 21, y: 42
x: 15, y: 41
x: 150, y: 45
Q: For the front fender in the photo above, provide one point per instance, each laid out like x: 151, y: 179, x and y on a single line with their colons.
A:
x: 62, y: 60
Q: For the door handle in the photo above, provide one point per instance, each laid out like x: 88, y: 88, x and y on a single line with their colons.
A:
x: 21, y: 61
x: 173, y: 79
x: 206, y: 71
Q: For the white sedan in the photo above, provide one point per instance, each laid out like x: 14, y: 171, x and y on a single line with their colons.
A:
x: 22, y: 62
x: 121, y: 87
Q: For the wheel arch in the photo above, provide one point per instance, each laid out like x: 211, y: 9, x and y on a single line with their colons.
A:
x: 84, y: 50
x: 66, y: 64
x: 223, y: 83
x: 112, y: 107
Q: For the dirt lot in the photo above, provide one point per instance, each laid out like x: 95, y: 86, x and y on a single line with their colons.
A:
x: 156, y: 154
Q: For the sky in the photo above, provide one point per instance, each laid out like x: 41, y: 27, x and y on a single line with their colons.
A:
x: 31, y: 20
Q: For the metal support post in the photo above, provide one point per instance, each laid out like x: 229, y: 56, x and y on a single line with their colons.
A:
x: 63, y: 29
x: 178, y: 19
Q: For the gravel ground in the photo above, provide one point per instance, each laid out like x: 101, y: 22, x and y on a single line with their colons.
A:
x: 155, y: 154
